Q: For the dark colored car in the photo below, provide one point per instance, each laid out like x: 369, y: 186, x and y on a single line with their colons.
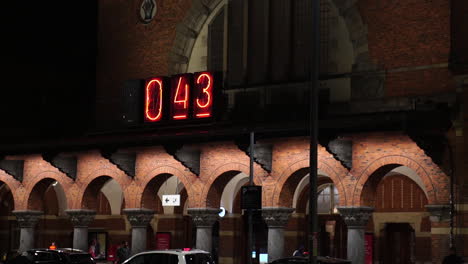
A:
x: 305, y: 260
x: 56, y: 256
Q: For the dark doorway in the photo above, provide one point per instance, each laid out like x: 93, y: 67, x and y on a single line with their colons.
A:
x: 398, y: 243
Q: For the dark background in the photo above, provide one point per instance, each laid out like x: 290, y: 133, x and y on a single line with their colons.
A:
x: 48, y: 69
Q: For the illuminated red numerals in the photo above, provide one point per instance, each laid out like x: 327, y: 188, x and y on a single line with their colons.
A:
x: 202, y: 94
x: 180, y: 94
x: 154, y: 99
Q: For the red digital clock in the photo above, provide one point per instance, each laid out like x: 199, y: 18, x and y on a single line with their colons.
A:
x: 180, y: 97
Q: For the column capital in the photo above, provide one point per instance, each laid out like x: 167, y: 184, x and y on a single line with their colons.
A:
x: 204, y: 217
x: 355, y: 216
x: 81, y: 217
x: 139, y: 217
x: 27, y: 218
x: 438, y: 212
x: 276, y: 216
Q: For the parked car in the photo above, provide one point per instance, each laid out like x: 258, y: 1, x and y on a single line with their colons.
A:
x: 171, y: 256
x: 304, y: 260
x: 55, y: 256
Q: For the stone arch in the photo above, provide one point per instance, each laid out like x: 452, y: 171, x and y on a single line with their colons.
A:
x: 151, y: 175
x: 92, y: 192
x: 13, y: 185
x: 200, y: 10
x: 120, y: 177
x: 63, y: 184
x: 333, y: 172
x: 213, y: 188
x: 379, y: 167
x: 37, y: 199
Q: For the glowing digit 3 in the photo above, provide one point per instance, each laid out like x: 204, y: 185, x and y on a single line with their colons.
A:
x: 205, y: 90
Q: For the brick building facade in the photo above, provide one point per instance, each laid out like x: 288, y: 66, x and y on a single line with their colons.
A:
x: 392, y: 96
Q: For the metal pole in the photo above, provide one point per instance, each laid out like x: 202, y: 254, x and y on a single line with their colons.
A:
x: 314, y: 87
x: 251, y: 173
x: 451, y: 173
x: 250, y: 211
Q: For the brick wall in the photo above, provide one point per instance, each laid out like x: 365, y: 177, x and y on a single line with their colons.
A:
x: 128, y: 49
x: 409, y: 34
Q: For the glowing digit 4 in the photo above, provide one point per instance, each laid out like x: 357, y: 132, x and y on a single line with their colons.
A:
x: 183, y: 94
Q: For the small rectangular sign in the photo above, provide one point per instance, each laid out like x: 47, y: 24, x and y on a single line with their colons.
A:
x: 251, y: 197
x: 171, y: 200
x: 163, y: 240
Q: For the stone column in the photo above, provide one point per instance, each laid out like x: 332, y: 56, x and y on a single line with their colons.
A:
x: 80, y: 218
x: 276, y: 218
x: 27, y: 221
x: 139, y: 218
x: 439, y: 215
x: 356, y: 220
x: 204, y: 218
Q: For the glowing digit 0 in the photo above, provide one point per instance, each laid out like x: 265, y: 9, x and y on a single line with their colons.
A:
x: 153, y: 100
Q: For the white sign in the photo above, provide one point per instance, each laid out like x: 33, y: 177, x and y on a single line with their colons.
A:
x: 171, y: 200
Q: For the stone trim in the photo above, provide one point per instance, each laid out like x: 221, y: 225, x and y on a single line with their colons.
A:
x: 355, y: 217
x: 139, y: 217
x: 276, y: 217
x: 27, y: 218
x: 81, y: 217
x: 204, y: 217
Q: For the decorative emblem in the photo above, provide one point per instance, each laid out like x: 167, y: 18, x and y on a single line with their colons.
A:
x: 147, y: 10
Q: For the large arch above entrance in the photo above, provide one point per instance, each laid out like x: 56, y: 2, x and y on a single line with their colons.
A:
x: 202, y: 10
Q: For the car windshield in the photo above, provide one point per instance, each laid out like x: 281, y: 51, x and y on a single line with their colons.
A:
x: 198, y: 258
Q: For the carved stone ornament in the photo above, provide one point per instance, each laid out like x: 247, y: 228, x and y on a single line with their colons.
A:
x: 139, y: 217
x: 438, y: 212
x: 204, y: 217
x: 276, y: 217
x: 147, y: 10
x: 81, y: 217
x: 356, y: 216
x: 27, y: 218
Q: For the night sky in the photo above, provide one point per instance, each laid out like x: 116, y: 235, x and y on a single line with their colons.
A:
x: 48, y: 72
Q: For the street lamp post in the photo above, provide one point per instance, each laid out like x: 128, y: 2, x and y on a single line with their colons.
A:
x: 314, y: 87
